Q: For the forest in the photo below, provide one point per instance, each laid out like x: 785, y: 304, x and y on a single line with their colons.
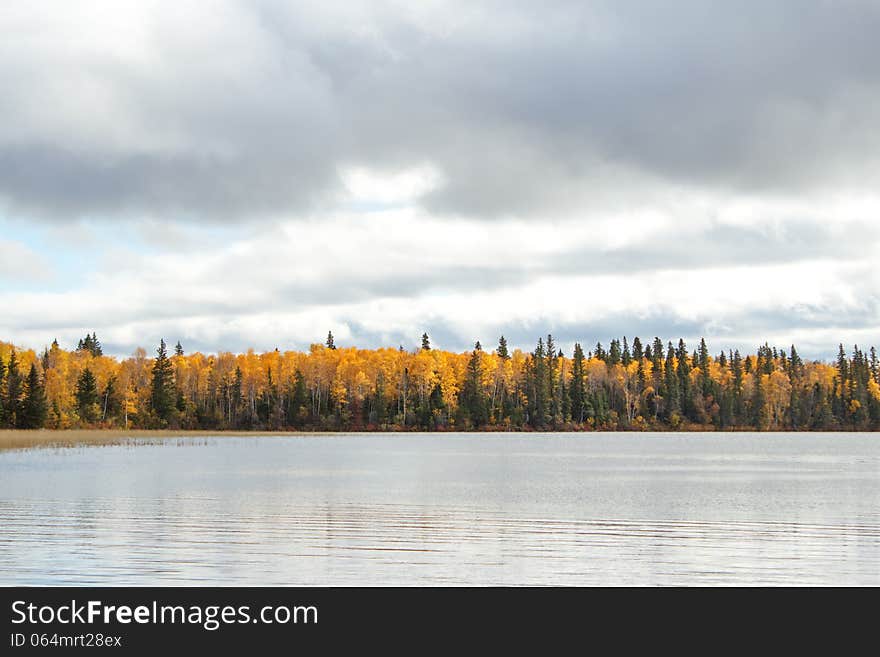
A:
x: 626, y: 386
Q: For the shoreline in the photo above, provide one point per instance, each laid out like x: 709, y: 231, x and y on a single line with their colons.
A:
x: 19, y: 439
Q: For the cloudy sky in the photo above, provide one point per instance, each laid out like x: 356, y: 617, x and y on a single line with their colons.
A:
x: 235, y: 174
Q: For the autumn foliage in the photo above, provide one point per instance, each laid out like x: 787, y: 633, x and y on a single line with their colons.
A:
x: 626, y: 387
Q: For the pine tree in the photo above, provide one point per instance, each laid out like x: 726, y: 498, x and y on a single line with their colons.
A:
x: 577, y: 388
x: 2, y: 396
x: 614, y: 353
x: 637, y: 352
x: 87, y: 399
x: 34, y: 408
x: 737, y: 366
x: 110, y: 401
x: 538, y: 393
x: 502, y: 349
x: 178, y: 349
x: 330, y: 343
x: 162, y: 393
x: 703, y: 360
x: 683, y: 370
x: 91, y: 344
x: 473, y: 397
x: 426, y: 342
x: 297, y: 410
x: 12, y: 398
x: 672, y: 393
x: 554, y: 402
x: 657, y: 352
x: 237, y: 397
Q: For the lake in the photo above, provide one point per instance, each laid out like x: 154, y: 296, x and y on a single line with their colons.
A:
x: 447, y: 509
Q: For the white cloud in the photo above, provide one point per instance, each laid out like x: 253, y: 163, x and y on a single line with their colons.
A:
x: 260, y: 173
x: 20, y: 263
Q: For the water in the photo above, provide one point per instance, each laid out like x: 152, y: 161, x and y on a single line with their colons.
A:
x: 472, y: 509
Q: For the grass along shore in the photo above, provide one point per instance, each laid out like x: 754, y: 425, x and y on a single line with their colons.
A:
x: 23, y: 439
x: 16, y: 439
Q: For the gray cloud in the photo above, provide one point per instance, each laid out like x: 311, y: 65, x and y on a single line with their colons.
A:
x: 526, y: 108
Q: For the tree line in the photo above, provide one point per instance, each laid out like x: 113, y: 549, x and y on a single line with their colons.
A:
x: 626, y: 386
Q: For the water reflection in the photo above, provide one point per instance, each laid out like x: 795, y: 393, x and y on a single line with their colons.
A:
x: 467, y: 510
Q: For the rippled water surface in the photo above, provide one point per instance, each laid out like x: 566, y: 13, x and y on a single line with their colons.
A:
x: 473, y: 509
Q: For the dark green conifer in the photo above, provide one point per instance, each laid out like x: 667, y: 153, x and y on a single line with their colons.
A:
x: 34, y: 407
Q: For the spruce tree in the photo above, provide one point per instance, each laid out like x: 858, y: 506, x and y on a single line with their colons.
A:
x: 297, y: 411
x: 703, y: 360
x: 553, y: 404
x: 502, y: 349
x: 473, y: 398
x: 110, y: 402
x: 12, y: 398
x: 330, y: 342
x: 578, y: 387
x: 637, y: 352
x: 614, y: 352
x: 178, y: 349
x: 672, y: 390
x: 91, y: 344
x: 162, y: 393
x: 2, y: 396
x: 87, y: 399
x: 34, y: 407
x: 538, y: 393
x: 737, y: 367
x: 237, y: 397
x: 683, y: 370
x: 657, y: 352
x: 426, y: 342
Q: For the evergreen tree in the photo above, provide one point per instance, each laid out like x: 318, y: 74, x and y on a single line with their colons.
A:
x: 298, y: 410
x: 87, y: 399
x: 162, y: 392
x: 637, y: 352
x: 178, y: 349
x: 34, y: 408
x: 672, y: 392
x: 502, y: 349
x: 110, y: 401
x: 578, y: 392
x: 657, y: 352
x: 537, y: 385
x: 2, y: 395
x: 473, y: 397
x: 554, y: 401
x: 330, y: 343
x: 737, y: 367
x: 12, y: 398
x: 614, y: 353
x: 703, y: 360
x: 683, y: 370
x: 426, y: 342
x: 237, y: 397
x: 91, y: 344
